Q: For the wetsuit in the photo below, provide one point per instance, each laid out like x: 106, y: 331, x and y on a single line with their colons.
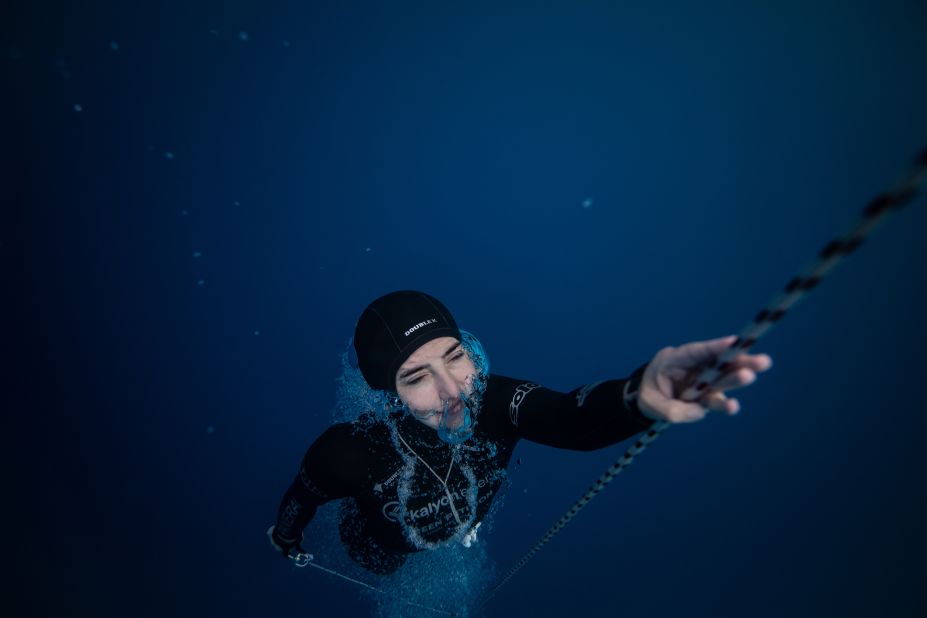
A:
x: 360, y: 461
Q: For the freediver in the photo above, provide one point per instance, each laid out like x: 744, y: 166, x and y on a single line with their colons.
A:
x: 422, y: 472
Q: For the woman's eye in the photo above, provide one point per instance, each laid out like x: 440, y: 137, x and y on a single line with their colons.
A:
x: 414, y: 380
x: 457, y: 356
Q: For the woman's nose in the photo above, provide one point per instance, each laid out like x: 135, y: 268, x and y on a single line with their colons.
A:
x: 447, y: 385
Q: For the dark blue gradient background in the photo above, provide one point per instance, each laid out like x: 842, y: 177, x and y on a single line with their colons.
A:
x: 722, y: 144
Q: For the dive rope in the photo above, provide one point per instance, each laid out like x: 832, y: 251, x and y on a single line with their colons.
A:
x: 832, y: 254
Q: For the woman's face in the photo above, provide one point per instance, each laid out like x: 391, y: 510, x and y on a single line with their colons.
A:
x: 438, y: 371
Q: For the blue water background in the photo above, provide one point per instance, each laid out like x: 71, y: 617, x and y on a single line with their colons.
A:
x: 199, y: 201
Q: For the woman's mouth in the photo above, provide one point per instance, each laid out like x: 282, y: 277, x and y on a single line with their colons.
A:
x: 454, y: 416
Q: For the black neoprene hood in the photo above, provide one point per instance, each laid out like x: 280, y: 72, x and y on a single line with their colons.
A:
x: 392, y: 328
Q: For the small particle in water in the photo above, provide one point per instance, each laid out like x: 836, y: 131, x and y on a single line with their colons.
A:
x: 78, y: 107
x: 256, y: 333
x: 321, y: 268
x: 168, y: 155
x: 14, y: 54
x: 368, y: 249
x: 150, y: 148
x: 62, y: 67
x: 197, y: 254
x: 286, y: 43
x: 518, y: 461
x: 214, y: 32
x: 237, y: 203
x: 113, y: 45
x: 184, y: 213
x: 525, y: 490
x: 210, y: 429
x: 201, y: 282
x: 587, y: 202
x: 243, y: 35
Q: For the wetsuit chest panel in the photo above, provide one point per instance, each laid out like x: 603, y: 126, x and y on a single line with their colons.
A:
x: 427, y: 504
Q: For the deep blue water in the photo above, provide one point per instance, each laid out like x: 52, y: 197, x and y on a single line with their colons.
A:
x: 199, y: 201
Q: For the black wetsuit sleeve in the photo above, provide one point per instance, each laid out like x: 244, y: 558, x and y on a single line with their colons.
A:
x: 584, y: 419
x: 333, y: 467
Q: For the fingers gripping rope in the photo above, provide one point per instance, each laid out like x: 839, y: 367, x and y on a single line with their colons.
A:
x: 831, y: 255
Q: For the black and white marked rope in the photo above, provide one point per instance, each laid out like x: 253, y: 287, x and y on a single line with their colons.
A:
x: 832, y: 254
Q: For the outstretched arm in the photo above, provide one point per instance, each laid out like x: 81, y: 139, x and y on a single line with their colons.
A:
x: 590, y: 417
